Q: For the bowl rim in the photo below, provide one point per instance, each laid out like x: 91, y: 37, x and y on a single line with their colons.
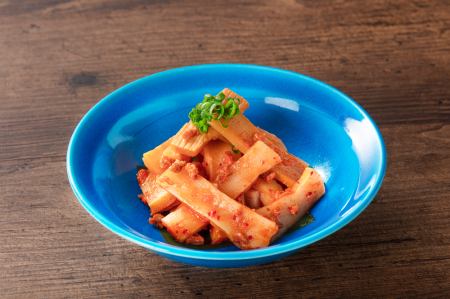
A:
x: 182, y: 252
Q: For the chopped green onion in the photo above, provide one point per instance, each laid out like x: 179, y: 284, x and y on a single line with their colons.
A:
x: 235, y: 150
x: 217, y: 107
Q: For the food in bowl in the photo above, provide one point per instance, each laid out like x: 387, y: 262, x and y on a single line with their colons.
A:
x: 220, y: 178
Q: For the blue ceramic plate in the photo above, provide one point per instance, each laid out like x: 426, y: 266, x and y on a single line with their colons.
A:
x: 317, y: 123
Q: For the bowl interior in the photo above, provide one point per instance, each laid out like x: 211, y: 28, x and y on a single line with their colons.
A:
x: 316, y: 122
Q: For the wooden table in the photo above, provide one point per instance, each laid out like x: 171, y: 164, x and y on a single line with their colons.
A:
x: 58, y: 58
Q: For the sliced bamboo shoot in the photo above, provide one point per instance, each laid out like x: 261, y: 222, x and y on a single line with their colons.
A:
x: 217, y: 235
x: 269, y: 191
x: 216, y: 155
x: 231, y: 94
x: 239, y: 131
x: 189, y: 141
x: 183, y: 223
x: 172, y: 153
x: 252, y: 199
x: 272, y: 139
x: 258, y: 159
x: 156, y: 197
x: 162, y: 203
x: 244, y: 227
x: 295, y: 201
x: 195, y: 239
x: 152, y: 158
x: 290, y: 169
x: 242, y: 134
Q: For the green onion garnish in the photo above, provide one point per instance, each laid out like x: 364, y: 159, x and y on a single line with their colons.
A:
x: 214, y: 108
x: 235, y: 150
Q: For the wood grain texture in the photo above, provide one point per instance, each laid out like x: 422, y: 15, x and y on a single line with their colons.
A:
x: 58, y: 57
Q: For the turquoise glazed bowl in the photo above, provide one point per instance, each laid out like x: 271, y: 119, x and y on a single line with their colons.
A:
x: 318, y: 123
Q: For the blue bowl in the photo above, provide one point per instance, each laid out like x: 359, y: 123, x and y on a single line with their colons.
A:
x: 317, y: 123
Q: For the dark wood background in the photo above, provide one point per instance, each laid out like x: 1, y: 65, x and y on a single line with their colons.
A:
x: 58, y: 58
